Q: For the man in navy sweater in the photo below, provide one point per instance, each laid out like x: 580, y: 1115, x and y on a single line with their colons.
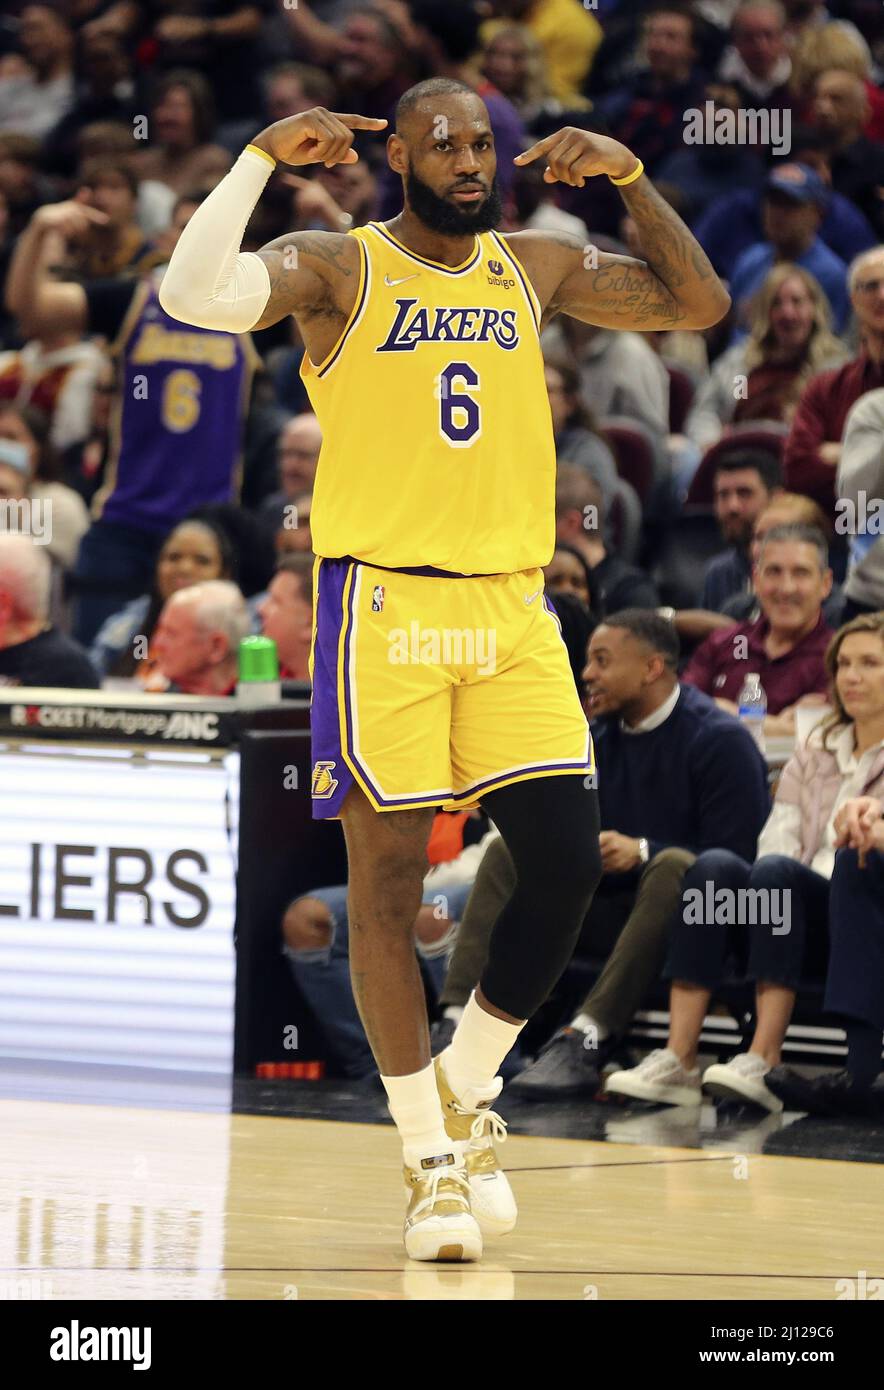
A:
x: 676, y: 776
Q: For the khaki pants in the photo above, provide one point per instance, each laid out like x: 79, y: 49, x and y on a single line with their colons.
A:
x: 631, y: 924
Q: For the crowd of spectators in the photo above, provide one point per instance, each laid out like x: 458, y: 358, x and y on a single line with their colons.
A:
x: 718, y: 486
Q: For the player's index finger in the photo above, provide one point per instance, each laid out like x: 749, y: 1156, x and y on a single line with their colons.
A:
x: 536, y: 151
x: 360, y: 122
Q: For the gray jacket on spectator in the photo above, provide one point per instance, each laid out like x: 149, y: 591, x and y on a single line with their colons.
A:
x: 715, y: 403
x: 861, y: 470
x: 620, y: 374
x: 588, y: 451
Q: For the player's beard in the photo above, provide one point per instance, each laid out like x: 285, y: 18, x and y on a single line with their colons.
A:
x: 444, y: 217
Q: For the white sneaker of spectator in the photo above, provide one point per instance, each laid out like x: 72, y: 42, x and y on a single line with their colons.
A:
x: 659, y: 1077
x: 742, y: 1079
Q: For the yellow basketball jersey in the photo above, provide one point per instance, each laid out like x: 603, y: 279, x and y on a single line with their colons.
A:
x: 437, y: 435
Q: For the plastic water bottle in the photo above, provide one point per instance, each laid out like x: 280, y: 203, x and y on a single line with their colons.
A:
x: 752, y: 707
x: 258, y: 682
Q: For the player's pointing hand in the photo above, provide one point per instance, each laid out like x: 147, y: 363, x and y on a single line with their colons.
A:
x: 573, y: 156
x: 315, y: 137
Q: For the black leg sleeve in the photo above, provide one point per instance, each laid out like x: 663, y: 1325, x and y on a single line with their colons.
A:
x: 551, y: 828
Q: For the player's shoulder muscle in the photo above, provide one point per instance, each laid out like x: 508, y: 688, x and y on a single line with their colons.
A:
x: 538, y: 242
x: 548, y: 257
x: 311, y: 273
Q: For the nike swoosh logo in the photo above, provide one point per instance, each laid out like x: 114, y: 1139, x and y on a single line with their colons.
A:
x: 529, y: 598
x: 393, y: 283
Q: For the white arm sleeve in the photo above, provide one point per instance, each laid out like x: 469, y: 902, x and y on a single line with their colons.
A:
x: 209, y: 282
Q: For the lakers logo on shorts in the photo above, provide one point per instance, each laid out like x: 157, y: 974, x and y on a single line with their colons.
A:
x: 324, y: 784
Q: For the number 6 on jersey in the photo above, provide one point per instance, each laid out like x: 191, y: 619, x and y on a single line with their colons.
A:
x: 460, y: 421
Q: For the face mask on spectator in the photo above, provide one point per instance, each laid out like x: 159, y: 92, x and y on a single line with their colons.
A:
x: 15, y: 454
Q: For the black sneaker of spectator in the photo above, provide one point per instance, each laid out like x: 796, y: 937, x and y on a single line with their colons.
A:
x: 565, y: 1068
x: 833, y: 1094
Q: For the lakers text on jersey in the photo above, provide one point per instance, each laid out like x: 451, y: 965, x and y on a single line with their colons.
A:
x: 438, y: 445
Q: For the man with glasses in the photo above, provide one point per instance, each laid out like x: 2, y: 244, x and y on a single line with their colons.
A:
x: 813, y: 449
x: 758, y: 61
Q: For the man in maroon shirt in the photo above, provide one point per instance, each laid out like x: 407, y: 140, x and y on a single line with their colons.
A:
x: 787, y: 644
x: 813, y: 448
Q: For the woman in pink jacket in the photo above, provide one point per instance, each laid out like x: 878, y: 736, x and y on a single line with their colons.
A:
x: 816, y: 889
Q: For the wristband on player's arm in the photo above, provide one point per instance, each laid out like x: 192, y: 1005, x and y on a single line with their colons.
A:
x: 630, y: 178
x: 209, y: 282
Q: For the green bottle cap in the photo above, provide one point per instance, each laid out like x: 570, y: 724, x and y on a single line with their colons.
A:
x: 258, y: 660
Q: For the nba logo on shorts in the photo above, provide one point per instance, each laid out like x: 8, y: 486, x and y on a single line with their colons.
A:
x: 377, y: 599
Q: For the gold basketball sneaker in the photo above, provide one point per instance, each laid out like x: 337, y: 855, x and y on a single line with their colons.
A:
x: 439, y: 1224
x: 474, y: 1128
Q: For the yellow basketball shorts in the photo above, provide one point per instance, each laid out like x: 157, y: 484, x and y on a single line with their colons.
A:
x: 432, y: 690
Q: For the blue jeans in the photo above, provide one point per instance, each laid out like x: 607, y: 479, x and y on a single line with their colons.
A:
x: 844, y: 916
x: 777, y: 951
x: 855, y: 980
x: 116, y: 563
x: 323, y: 977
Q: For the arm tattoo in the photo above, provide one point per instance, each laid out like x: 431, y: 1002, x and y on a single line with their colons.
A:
x: 280, y: 282
x: 324, y: 248
x: 312, y: 294
x: 672, y: 282
x: 668, y: 246
x: 632, y: 291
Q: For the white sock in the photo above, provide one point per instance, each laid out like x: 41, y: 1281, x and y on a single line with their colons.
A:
x: 478, y: 1047
x: 417, y: 1113
x: 453, y: 1011
x: 587, y: 1024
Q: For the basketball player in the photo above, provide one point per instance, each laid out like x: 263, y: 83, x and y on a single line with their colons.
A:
x: 181, y: 395
x: 440, y: 678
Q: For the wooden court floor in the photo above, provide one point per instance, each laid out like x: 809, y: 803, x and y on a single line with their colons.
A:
x: 103, y: 1202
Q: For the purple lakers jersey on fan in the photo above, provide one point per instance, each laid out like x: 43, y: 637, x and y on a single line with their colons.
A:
x: 183, y: 395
